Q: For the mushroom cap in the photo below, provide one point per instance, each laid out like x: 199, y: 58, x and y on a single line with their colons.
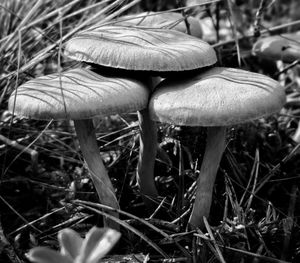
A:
x: 167, y: 20
x: 285, y: 47
x: 144, y: 49
x: 216, y: 97
x: 77, y: 94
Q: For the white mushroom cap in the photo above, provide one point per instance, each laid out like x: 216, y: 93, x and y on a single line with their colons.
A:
x: 77, y: 94
x: 216, y: 97
x: 285, y: 48
x: 167, y: 20
x: 134, y: 48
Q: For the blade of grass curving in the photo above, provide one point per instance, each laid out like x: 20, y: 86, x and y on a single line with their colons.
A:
x: 246, y: 253
x: 116, y: 13
x: 257, y: 197
x: 59, y: 61
x: 17, y: 76
x: 33, y: 153
x: 62, y: 145
x: 36, y: 220
x: 45, y: 53
x: 167, y: 11
x: 128, y: 227
x: 22, y: 23
x: 16, y: 90
x: 44, y: 18
x: 254, y: 168
x: 158, y: 208
x: 234, y: 166
x: 262, y: 32
x: 170, y: 25
x: 255, y: 172
x: 29, y: 145
x: 84, y: 9
x: 220, y: 255
x: 68, y: 223
x: 100, y: 206
x: 258, y: 17
x: 166, y: 236
x: 18, y: 214
x: 225, y: 211
x: 183, y: 215
x: 230, y: 191
x: 289, y: 222
x: 209, y: 242
x: 254, y: 255
x: 234, y: 30
x: 266, y: 178
x: 180, y: 191
x: 134, y: 126
x: 123, y: 136
x: 125, y: 177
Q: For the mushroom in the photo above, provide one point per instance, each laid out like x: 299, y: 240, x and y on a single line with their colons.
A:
x: 141, y: 52
x: 216, y: 98
x: 285, y: 48
x: 79, y: 95
x: 167, y: 20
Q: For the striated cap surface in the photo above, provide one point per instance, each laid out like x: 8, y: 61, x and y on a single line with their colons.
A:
x: 77, y: 94
x: 217, y: 97
x: 144, y: 49
x: 167, y: 20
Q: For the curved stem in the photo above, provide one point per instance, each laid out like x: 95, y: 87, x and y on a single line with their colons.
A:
x: 215, y: 146
x: 88, y: 144
x: 147, y: 155
x: 147, y: 151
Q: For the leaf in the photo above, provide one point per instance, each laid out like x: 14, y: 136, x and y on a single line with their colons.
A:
x: 70, y: 242
x: 47, y: 255
x: 97, y: 244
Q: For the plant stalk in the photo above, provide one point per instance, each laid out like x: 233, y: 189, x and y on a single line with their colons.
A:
x: 215, y: 146
x: 88, y: 144
x: 147, y: 155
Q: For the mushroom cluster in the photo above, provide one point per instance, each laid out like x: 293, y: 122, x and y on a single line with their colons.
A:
x: 142, y: 53
x: 124, y: 63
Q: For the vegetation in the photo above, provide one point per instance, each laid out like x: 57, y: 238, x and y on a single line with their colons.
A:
x: 45, y: 186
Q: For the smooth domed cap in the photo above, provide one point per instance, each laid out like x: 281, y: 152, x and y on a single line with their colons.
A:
x: 83, y: 93
x: 167, y: 20
x: 135, y: 48
x: 285, y: 48
x: 217, y: 97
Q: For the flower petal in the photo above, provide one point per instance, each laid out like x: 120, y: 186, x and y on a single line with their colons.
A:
x: 47, y: 255
x: 97, y: 244
x: 70, y: 242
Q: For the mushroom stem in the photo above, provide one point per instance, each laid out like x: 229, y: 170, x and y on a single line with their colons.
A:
x: 147, y: 155
x: 215, y: 146
x: 88, y: 144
